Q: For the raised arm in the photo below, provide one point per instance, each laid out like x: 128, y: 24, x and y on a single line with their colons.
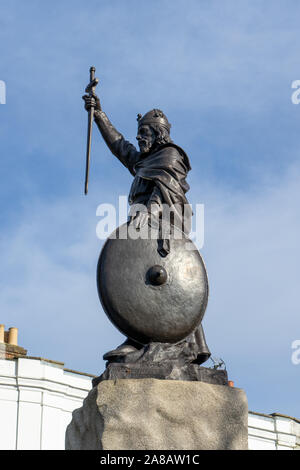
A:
x: 121, y: 148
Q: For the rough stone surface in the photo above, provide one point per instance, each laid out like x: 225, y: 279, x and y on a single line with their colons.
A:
x: 86, y: 428
x: 147, y: 414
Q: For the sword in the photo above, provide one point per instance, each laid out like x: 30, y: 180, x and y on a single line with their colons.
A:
x: 90, y: 89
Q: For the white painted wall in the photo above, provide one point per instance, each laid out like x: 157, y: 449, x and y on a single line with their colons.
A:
x: 37, y: 398
x: 273, y: 432
x: 36, y: 403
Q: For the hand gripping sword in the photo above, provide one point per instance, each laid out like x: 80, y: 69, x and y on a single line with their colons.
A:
x: 90, y: 89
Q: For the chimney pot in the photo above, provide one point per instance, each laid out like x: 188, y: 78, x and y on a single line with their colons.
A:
x: 13, y: 336
x: 2, y: 329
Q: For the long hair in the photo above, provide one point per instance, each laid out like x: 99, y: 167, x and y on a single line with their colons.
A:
x: 162, y: 134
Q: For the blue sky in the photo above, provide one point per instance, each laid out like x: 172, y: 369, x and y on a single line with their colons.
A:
x: 222, y: 72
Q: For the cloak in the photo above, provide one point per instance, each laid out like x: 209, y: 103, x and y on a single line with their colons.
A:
x: 167, y: 167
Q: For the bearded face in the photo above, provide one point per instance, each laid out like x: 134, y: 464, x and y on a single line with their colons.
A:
x: 146, y: 138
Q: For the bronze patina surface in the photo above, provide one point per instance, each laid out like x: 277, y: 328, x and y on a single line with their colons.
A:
x: 154, y: 290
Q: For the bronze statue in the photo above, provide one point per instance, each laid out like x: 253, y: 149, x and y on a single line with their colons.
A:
x: 159, y: 169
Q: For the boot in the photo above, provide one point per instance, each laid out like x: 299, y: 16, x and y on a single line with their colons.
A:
x: 125, y: 348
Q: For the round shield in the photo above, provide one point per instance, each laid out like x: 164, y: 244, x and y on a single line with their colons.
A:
x: 147, y: 296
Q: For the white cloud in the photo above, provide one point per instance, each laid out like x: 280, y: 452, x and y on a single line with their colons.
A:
x: 49, y: 291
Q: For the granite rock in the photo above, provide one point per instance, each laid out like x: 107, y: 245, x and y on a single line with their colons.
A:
x: 147, y: 414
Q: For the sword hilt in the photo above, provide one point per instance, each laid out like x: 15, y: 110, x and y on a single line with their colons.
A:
x: 93, y: 82
x: 91, y: 86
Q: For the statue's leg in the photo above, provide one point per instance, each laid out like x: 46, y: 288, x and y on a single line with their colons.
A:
x: 125, y: 348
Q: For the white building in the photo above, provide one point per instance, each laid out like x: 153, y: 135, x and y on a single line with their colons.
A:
x: 37, y: 397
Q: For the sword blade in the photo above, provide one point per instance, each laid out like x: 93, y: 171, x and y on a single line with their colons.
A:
x: 88, y: 149
x: 91, y: 86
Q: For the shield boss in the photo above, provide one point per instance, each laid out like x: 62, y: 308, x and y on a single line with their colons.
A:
x: 149, y: 297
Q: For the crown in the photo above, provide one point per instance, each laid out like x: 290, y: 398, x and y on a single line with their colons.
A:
x: 155, y: 116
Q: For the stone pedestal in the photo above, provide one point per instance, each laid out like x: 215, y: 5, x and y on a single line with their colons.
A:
x: 145, y: 414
